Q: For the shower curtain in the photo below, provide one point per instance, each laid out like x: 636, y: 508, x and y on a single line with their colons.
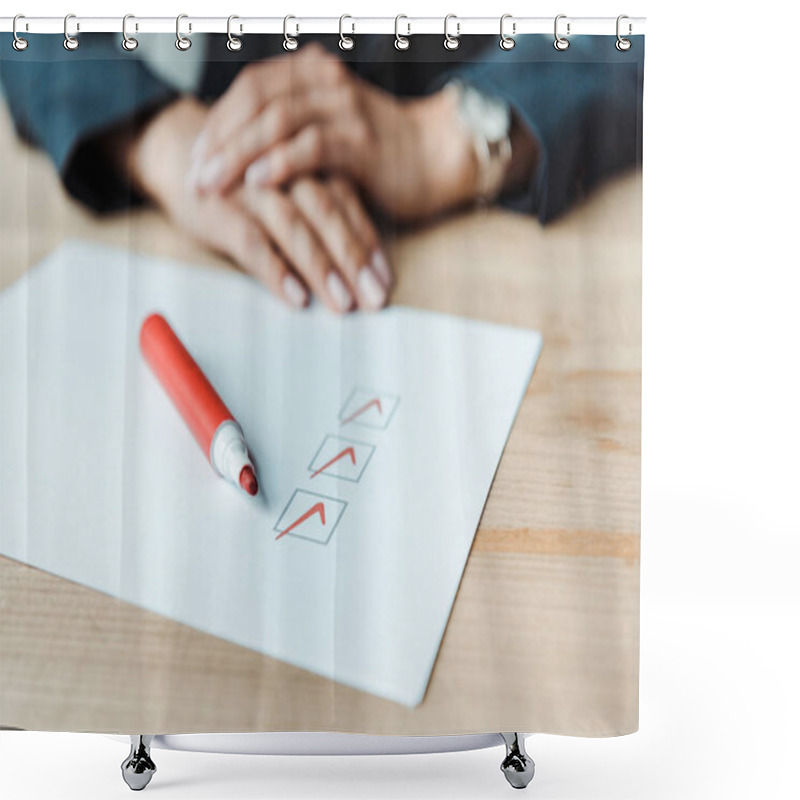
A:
x: 320, y: 365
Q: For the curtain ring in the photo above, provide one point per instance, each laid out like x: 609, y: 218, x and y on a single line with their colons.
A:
x: 289, y: 42
x: 560, y: 42
x: 622, y: 44
x: 19, y: 44
x: 346, y: 42
x: 451, y: 42
x: 182, y: 42
x: 401, y: 42
x: 70, y: 42
x: 506, y: 41
x: 233, y: 44
x: 128, y: 42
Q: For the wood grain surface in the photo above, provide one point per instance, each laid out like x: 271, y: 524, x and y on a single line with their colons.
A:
x: 544, y: 633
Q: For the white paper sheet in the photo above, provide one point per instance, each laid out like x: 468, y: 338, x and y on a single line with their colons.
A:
x: 389, y: 425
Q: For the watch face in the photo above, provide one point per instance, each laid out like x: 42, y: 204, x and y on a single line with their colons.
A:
x: 490, y: 116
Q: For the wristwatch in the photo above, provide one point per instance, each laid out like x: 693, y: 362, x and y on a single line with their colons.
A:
x: 488, y: 120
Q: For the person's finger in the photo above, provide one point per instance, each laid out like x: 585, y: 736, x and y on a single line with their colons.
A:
x: 278, y: 121
x: 300, y: 245
x: 338, y: 146
x: 233, y: 232
x: 262, y: 82
x: 240, y: 104
x: 303, y: 154
x: 361, y: 222
x: 350, y: 254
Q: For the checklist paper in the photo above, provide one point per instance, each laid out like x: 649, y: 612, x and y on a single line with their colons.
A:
x: 375, y: 437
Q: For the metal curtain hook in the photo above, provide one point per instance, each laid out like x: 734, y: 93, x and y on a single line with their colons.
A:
x: 451, y: 42
x: 19, y: 44
x: 560, y: 42
x: 289, y: 42
x: 506, y: 41
x: 233, y: 44
x: 401, y: 42
x: 182, y: 42
x: 128, y: 42
x: 70, y: 42
x: 346, y: 42
x: 623, y: 44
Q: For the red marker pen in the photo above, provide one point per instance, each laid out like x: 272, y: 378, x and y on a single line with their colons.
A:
x: 202, y: 409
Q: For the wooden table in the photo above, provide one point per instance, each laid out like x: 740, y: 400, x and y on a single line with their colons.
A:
x: 544, y: 633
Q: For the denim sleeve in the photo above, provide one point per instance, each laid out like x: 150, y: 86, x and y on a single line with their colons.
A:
x: 583, y: 106
x: 64, y: 102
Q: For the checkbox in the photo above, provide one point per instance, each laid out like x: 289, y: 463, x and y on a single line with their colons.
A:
x: 310, y: 516
x: 342, y: 458
x: 368, y: 408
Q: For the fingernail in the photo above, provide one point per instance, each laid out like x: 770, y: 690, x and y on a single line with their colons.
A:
x: 211, y: 172
x: 199, y: 146
x: 338, y: 291
x: 258, y: 173
x: 294, y: 291
x: 371, y: 288
x: 382, y: 269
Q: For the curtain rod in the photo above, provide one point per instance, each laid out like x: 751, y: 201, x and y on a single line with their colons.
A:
x: 298, y: 25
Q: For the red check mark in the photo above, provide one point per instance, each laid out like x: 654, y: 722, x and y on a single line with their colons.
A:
x: 374, y: 402
x: 346, y: 452
x: 317, y: 508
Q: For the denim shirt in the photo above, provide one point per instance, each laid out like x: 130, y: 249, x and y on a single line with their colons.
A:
x: 584, y: 104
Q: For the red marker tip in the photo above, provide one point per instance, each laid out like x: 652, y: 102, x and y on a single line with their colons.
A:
x: 247, y: 480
